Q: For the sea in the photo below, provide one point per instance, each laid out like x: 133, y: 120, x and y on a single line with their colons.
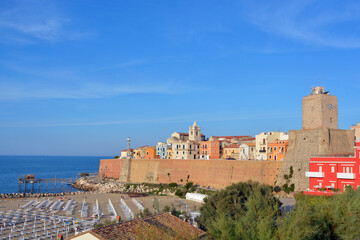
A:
x: 12, y: 167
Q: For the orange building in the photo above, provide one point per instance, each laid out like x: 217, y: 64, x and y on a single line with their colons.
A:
x: 277, y: 150
x: 209, y: 150
x: 139, y: 153
x: 150, y: 153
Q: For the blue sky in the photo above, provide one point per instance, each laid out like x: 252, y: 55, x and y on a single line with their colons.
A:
x: 79, y: 77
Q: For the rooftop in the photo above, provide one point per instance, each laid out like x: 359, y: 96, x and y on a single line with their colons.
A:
x: 160, y: 226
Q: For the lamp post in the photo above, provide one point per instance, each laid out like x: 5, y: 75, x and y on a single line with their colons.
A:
x: 128, y: 148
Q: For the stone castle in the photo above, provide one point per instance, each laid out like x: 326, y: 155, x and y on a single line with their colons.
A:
x: 319, y: 136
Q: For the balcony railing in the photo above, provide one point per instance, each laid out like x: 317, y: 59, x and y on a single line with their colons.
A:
x: 346, y: 175
x: 315, y: 174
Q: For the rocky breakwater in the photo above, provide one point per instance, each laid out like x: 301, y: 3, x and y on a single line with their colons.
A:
x: 26, y: 195
x: 113, y: 186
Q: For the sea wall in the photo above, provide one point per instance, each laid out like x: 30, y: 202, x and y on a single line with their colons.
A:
x: 213, y: 173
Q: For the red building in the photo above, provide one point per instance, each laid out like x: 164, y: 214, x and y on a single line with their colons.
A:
x: 335, y: 172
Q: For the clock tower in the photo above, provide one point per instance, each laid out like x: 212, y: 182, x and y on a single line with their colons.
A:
x: 319, y: 110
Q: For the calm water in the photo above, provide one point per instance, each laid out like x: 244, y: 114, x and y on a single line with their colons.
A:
x: 12, y: 167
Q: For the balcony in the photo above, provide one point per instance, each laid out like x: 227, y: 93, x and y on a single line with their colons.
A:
x: 346, y: 175
x: 315, y: 174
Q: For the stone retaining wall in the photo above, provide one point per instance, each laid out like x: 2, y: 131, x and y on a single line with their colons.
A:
x: 213, y: 173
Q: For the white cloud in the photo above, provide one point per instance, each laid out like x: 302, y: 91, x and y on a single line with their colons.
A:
x: 26, y: 21
x: 16, y: 91
x: 313, y: 22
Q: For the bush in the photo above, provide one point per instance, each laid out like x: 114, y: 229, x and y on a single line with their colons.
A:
x: 173, y: 184
x: 179, y: 193
x: 166, y: 209
x: 277, y: 189
x: 188, y: 185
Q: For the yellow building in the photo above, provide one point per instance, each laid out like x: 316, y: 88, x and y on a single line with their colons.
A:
x: 231, y: 151
x: 169, y: 153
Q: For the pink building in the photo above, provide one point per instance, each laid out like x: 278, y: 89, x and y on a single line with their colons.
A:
x: 334, y: 172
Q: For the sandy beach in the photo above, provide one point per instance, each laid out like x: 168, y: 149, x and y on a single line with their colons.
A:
x: 12, y: 206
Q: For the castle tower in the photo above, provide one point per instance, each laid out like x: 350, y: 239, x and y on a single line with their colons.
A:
x: 320, y: 136
x: 195, y: 133
x: 319, y: 110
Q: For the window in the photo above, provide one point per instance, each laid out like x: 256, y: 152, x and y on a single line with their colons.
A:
x: 269, y: 156
x: 274, y: 157
x: 347, y: 170
x: 320, y: 184
x: 333, y: 185
x: 332, y: 169
x: 351, y: 169
x: 274, y: 148
x: 320, y: 168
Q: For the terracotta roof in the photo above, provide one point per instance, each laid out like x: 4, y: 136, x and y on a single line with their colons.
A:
x: 142, y: 147
x: 230, y: 137
x: 160, y: 226
x: 184, y: 134
x: 248, y: 139
x: 232, y: 146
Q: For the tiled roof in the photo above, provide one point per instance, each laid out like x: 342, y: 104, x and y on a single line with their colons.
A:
x: 160, y: 226
x: 184, y: 134
x: 230, y: 137
x: 141, y: 147
x: 232, y: 146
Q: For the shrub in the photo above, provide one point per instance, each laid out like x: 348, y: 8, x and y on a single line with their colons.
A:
x: 188, y: 185
x: 277, y: 189
x: 173, y: 184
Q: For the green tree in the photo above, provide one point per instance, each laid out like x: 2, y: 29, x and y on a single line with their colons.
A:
x: 241, y: 211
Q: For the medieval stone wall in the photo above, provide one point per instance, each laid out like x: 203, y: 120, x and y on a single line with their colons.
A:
x: 213, y: 173
x: 304, y: 144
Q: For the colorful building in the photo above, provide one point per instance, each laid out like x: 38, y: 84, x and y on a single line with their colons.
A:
x: 139, y: 153
x: 209, y: 150
x: 186, y: 150
x: 356, y: 128
x: 277, y: 150
x: 263, y: 139
x: 150, y: 153
x: 169, y: 153
x: 231, y: 152
x: 124, y: 153
x: 161, y: 149
x: 334, y: 172
x: 247, y: 151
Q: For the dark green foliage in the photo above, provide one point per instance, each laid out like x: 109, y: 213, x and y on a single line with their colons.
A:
x: 233, y: 213
x: 175, y: 212
x: 249, y: 211
x: 277, y: 189
x: 288, y: 189
x: 173, y: 184
x: 188, y: 185
x: 117, y: 157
